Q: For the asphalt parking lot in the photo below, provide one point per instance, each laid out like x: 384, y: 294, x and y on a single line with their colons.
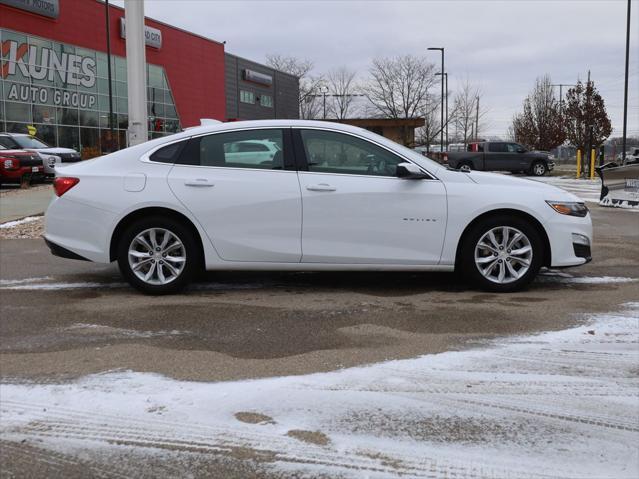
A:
x: 62, y: 319
x: 99, y: 380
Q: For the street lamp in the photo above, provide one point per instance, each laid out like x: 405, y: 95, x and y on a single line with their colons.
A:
x: 561, y: 93
x: 625, y: 88
x: 446, y: 77
x: 441, y: 133
x: 324, y: 90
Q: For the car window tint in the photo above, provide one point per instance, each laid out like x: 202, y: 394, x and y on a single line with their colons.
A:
x: 7, y: 143
x: 168, y: 154
x: 263, y: 149
x: 497, y: 147
x: 245, y: 147
x: 330, y: 152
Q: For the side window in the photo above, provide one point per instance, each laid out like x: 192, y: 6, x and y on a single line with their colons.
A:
x: 262, y: 149
x: 513, y: 147
x: 168, y: 154
x: 497, y: 147
x: 329, y: 152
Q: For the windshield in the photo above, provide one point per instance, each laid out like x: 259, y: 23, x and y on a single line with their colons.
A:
x: 29, y: 142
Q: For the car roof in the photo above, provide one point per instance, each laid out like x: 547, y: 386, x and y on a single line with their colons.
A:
x: 235, y: 125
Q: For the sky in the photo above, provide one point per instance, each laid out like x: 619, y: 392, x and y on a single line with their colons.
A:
x: 501, y: 46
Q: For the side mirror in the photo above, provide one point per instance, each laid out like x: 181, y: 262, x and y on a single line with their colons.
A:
x: 521, y: 150
x: 409, y: 171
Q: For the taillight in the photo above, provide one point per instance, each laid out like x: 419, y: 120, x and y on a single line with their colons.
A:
x: 63, y: 184
x: 11, y: 164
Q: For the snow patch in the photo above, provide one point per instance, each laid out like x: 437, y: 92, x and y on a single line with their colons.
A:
x: 28, y: 219
x: 558, y: 404
x: 585, y: 279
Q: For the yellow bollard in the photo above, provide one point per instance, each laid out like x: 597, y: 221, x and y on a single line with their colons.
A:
x: 578, y: 164
x: 592, y: 163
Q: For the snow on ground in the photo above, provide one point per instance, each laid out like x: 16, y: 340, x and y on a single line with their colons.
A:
x: 556, y: 404
x: 12, y: 224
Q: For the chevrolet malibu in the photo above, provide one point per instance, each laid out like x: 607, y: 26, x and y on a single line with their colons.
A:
x: 330, y: 197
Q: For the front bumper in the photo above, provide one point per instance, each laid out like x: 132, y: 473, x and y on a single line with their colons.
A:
x: 17, y: 174
x: 570, y: 240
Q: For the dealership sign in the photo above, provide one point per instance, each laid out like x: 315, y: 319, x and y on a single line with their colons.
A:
x: 47, y: 8
x: 152, y: 36
x: 257, y: 77
x: 41, y: 63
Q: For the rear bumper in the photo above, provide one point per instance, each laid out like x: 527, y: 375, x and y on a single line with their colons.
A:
x: 57, y: 250
x: 78, y: 230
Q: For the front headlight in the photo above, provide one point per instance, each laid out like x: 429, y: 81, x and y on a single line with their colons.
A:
x: 569, y: 208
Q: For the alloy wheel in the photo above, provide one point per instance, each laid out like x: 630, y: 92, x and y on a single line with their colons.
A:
x: 157, y: 256
x: 503, y: 254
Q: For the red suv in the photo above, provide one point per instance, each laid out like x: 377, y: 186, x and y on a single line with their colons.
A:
x: 17, y: 166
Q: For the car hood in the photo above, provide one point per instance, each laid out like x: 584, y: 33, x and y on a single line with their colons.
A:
x: 508, y: 181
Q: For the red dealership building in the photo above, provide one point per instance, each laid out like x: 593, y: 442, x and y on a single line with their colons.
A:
x: 54, y: 76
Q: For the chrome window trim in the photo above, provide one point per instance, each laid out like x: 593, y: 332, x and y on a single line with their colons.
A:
x: 146, y: 157
x: 333, y: 130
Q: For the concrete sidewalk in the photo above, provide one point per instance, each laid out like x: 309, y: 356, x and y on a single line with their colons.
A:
x: 18, y: 203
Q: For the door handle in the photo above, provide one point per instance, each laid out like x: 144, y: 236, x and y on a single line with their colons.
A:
x: 321, y: 187
x: 198, y: 182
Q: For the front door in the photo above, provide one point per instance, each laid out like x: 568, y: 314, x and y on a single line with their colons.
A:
x: 356, y: 210
x: 249, y: 205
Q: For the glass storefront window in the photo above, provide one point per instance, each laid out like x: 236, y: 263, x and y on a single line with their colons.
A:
x: 70, y: 109
x: 18, y: 111
x: 69, y: 137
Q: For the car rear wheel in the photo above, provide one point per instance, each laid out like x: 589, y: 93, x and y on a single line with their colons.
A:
x: 502, y: 254
x: 538, y: 169
x: 157, y: 255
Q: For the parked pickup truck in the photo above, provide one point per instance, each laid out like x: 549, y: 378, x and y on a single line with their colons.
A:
x: 501, y: 156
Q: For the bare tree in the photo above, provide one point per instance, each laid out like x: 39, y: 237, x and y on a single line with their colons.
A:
x: 540, y: 125
x: 309, y: 85
x: 467, y: 112
x: 341, y: 84
x: 398, y: 87
x: 429, y: 133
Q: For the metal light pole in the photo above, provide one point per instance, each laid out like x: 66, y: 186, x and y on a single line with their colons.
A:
x: 625, y: 88
x: 561, y: 94
x: 446, y: 107
x: 136, y: 71
x: 441, y: 133
x: 324, y: 90
x: 108, y: 45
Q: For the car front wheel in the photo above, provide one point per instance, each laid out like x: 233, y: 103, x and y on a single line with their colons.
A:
x: 502, y: 254
x: 157, y: 255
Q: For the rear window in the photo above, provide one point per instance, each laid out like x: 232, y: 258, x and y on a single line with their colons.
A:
x: 169, y: 153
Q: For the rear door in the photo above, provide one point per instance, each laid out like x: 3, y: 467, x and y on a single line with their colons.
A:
x: 249, y: 205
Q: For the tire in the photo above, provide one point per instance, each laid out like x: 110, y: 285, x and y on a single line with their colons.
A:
x: 168, y: 275
x: 538, y: 168
x: 517, y: 274
x: 469, y: 164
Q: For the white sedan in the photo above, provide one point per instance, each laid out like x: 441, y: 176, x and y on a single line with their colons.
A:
x: 332, y: 198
